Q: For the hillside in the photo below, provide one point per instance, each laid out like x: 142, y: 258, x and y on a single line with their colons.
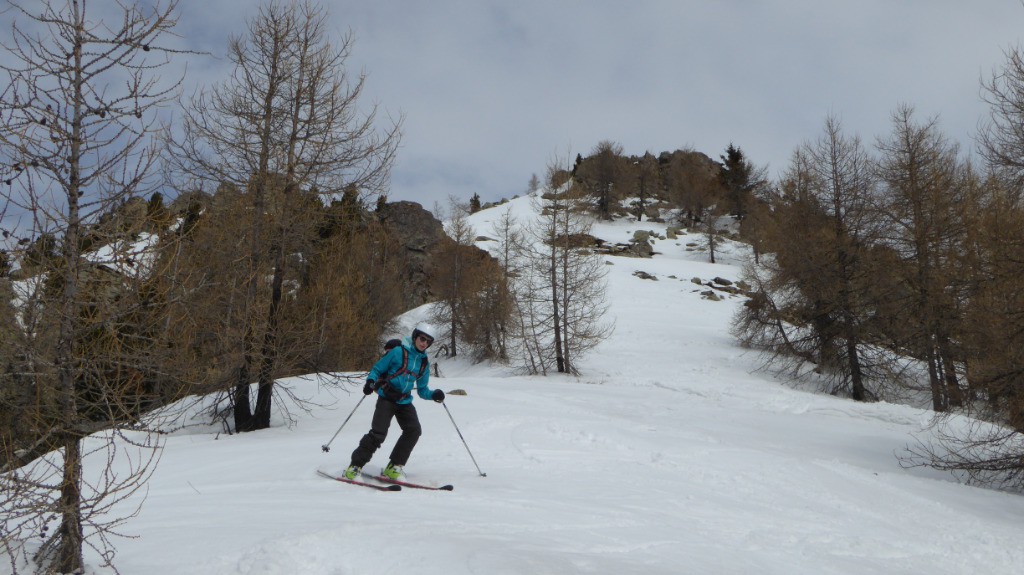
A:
x: 669, y: 454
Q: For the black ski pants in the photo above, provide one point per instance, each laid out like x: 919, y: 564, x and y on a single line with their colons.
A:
x: 408, y: 421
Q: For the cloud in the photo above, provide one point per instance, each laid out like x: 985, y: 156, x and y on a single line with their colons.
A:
x: 492, y: 90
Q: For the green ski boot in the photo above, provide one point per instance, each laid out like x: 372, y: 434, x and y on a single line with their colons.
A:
x: 392, y: 472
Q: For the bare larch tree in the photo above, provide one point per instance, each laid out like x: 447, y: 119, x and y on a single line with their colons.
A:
x: 285, y: 123
x: 561, y: 292
x: 76, y: 119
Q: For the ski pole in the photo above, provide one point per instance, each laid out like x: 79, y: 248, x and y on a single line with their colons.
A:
x: 482, y: 474
x: 327, y: 446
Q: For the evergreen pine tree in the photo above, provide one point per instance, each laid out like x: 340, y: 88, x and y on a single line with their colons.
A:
x: 736, y: 178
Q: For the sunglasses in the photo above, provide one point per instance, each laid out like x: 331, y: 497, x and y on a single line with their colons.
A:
x: 423, y: 338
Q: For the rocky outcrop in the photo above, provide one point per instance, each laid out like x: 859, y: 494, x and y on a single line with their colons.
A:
x: 421, y: 234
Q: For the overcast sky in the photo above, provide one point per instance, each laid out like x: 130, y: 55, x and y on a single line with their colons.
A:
x: 494, y: 91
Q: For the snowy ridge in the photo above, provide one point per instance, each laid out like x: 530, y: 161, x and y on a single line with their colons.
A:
x: 669, y: 455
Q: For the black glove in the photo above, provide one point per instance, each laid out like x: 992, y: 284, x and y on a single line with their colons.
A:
x: 370, y: 387
x: 438, y: 396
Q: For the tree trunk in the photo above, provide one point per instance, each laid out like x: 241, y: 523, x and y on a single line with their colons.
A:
x: 69, y: 558
x: 242, y: 409
x: 954, y: 394
x: 856, y: 377
x: 268, y: 358
x: 938, y: 397
x: 559, y: 359
x: 69, y: 554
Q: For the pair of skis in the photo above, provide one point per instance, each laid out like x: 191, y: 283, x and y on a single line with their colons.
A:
x: 391, y: 484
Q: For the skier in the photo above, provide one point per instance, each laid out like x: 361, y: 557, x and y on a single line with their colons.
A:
x: 393, y: 378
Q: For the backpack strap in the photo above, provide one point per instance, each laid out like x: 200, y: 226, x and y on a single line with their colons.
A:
x: 389, y: 390
x: 423, y: 367
x: 405, y: 362
x: 405, y: 366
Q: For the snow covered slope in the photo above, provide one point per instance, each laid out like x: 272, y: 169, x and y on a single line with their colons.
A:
x: 669, y: 455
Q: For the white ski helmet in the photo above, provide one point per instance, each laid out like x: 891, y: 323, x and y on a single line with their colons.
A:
x: 425, y: 330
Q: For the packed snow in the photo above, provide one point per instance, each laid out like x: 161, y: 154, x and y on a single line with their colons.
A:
x: 670, y: 454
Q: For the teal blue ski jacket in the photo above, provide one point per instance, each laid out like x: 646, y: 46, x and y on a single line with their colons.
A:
x: 388, y: 370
